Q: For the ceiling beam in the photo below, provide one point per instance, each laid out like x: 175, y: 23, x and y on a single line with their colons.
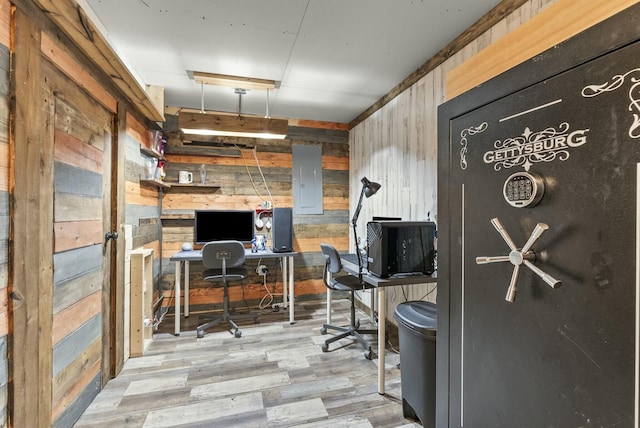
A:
x: 491, y: 18
x: 233, y: 81
x: 72, y: 19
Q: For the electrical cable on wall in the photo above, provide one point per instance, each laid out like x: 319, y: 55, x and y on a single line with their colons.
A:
x: 157, y: 321
x: 255, y: 156
x: 244, y: 298
x: 429, y: 292
x: 246, y: 165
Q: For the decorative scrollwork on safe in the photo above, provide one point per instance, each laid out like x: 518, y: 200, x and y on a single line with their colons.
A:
x: 616, y: 82
x: 463, y: 141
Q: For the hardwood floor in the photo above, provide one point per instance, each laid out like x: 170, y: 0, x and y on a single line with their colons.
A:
x: 275, y: 375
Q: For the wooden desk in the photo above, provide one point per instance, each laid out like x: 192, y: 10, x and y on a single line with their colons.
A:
x: 380, y: 284
x: 196, y: 256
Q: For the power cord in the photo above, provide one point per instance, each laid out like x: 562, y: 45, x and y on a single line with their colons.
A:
x: 429, y: 292
x: 246, y: 165
x: 263, y: 270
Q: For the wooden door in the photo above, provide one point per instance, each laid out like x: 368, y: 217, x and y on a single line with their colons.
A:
x: 553, y: 341
x: 81, y: 260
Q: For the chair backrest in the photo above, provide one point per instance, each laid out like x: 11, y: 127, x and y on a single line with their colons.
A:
x: 222, y: 254
x: 332, y: 263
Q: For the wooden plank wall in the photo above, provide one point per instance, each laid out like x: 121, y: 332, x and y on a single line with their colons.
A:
x: 4, y: 205
x: 234, y: 174
x: 142, y: 203
x: 396, y: 147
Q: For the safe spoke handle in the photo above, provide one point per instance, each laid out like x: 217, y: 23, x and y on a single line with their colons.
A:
x: 491, y: 259
x: 503, y: 232
x: 537, y: 232
x: 554, y: 283
x: 511, y: 291
x: 517, y: 257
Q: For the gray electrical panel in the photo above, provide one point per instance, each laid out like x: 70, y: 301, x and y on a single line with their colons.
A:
x: 307, y: 179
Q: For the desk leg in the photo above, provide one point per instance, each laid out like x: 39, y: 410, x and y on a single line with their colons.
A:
x: 382, y: 316
x: 176, y: 298
x: 372, y: 311
x: 186, y: 288
x: 285, y: 292
x: 291, y: 290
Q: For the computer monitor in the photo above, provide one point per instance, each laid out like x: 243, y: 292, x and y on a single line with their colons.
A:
x: 221, y: 225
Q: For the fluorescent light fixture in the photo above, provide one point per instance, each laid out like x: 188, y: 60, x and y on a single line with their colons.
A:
x: 232, y: 126
x: 217, y: 133
x: 233, y: 81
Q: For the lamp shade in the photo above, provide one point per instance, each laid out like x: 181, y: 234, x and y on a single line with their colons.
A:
x: 369, y: 187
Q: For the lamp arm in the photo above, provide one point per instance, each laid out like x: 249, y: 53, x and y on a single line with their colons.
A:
x: 354, y: 222
x: 356, y: 214
x: 355, y: 237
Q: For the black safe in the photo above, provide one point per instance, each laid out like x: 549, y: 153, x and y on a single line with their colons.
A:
x: 400, y: 247
x: 538, y: 240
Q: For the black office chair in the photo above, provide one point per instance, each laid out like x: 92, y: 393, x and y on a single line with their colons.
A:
x: 351, y: 283
x: 224, y: 262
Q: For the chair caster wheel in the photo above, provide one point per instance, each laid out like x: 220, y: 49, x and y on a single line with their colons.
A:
x: 237, y: 333
x: 368, y: 355
x: 324, y: 347
x: 323, y: 330
x: 200, y: 334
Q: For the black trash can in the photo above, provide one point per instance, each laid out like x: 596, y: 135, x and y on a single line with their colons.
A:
x: 417, y: 337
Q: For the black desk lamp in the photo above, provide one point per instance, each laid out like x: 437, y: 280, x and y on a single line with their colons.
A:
x: 368, y: 189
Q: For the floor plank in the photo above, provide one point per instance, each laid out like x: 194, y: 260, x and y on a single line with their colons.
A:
x: 275, y: 375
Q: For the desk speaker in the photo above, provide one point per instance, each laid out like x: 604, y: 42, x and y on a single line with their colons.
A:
x: 282, y: 230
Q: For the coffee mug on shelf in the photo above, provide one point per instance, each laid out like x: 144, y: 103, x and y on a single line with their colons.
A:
x: 185, y: 177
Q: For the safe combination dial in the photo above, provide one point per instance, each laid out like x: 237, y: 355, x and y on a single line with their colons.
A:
x: 523, y: 189
x: 518, y: 257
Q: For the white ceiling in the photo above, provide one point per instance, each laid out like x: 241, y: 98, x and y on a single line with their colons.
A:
x: 333, y: 58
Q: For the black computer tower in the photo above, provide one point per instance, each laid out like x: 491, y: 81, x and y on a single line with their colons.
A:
x: 400, y: 247
x: 282, y: 230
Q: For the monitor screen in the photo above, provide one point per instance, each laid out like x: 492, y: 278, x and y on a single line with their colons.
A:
x: 221, y: 225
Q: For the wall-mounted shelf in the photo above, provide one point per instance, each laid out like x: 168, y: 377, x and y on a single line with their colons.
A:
x: 194, y: 186
x: 188, y: 217
x: 164, y: 185
x: 150, y: 152
x: 154, y: 183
